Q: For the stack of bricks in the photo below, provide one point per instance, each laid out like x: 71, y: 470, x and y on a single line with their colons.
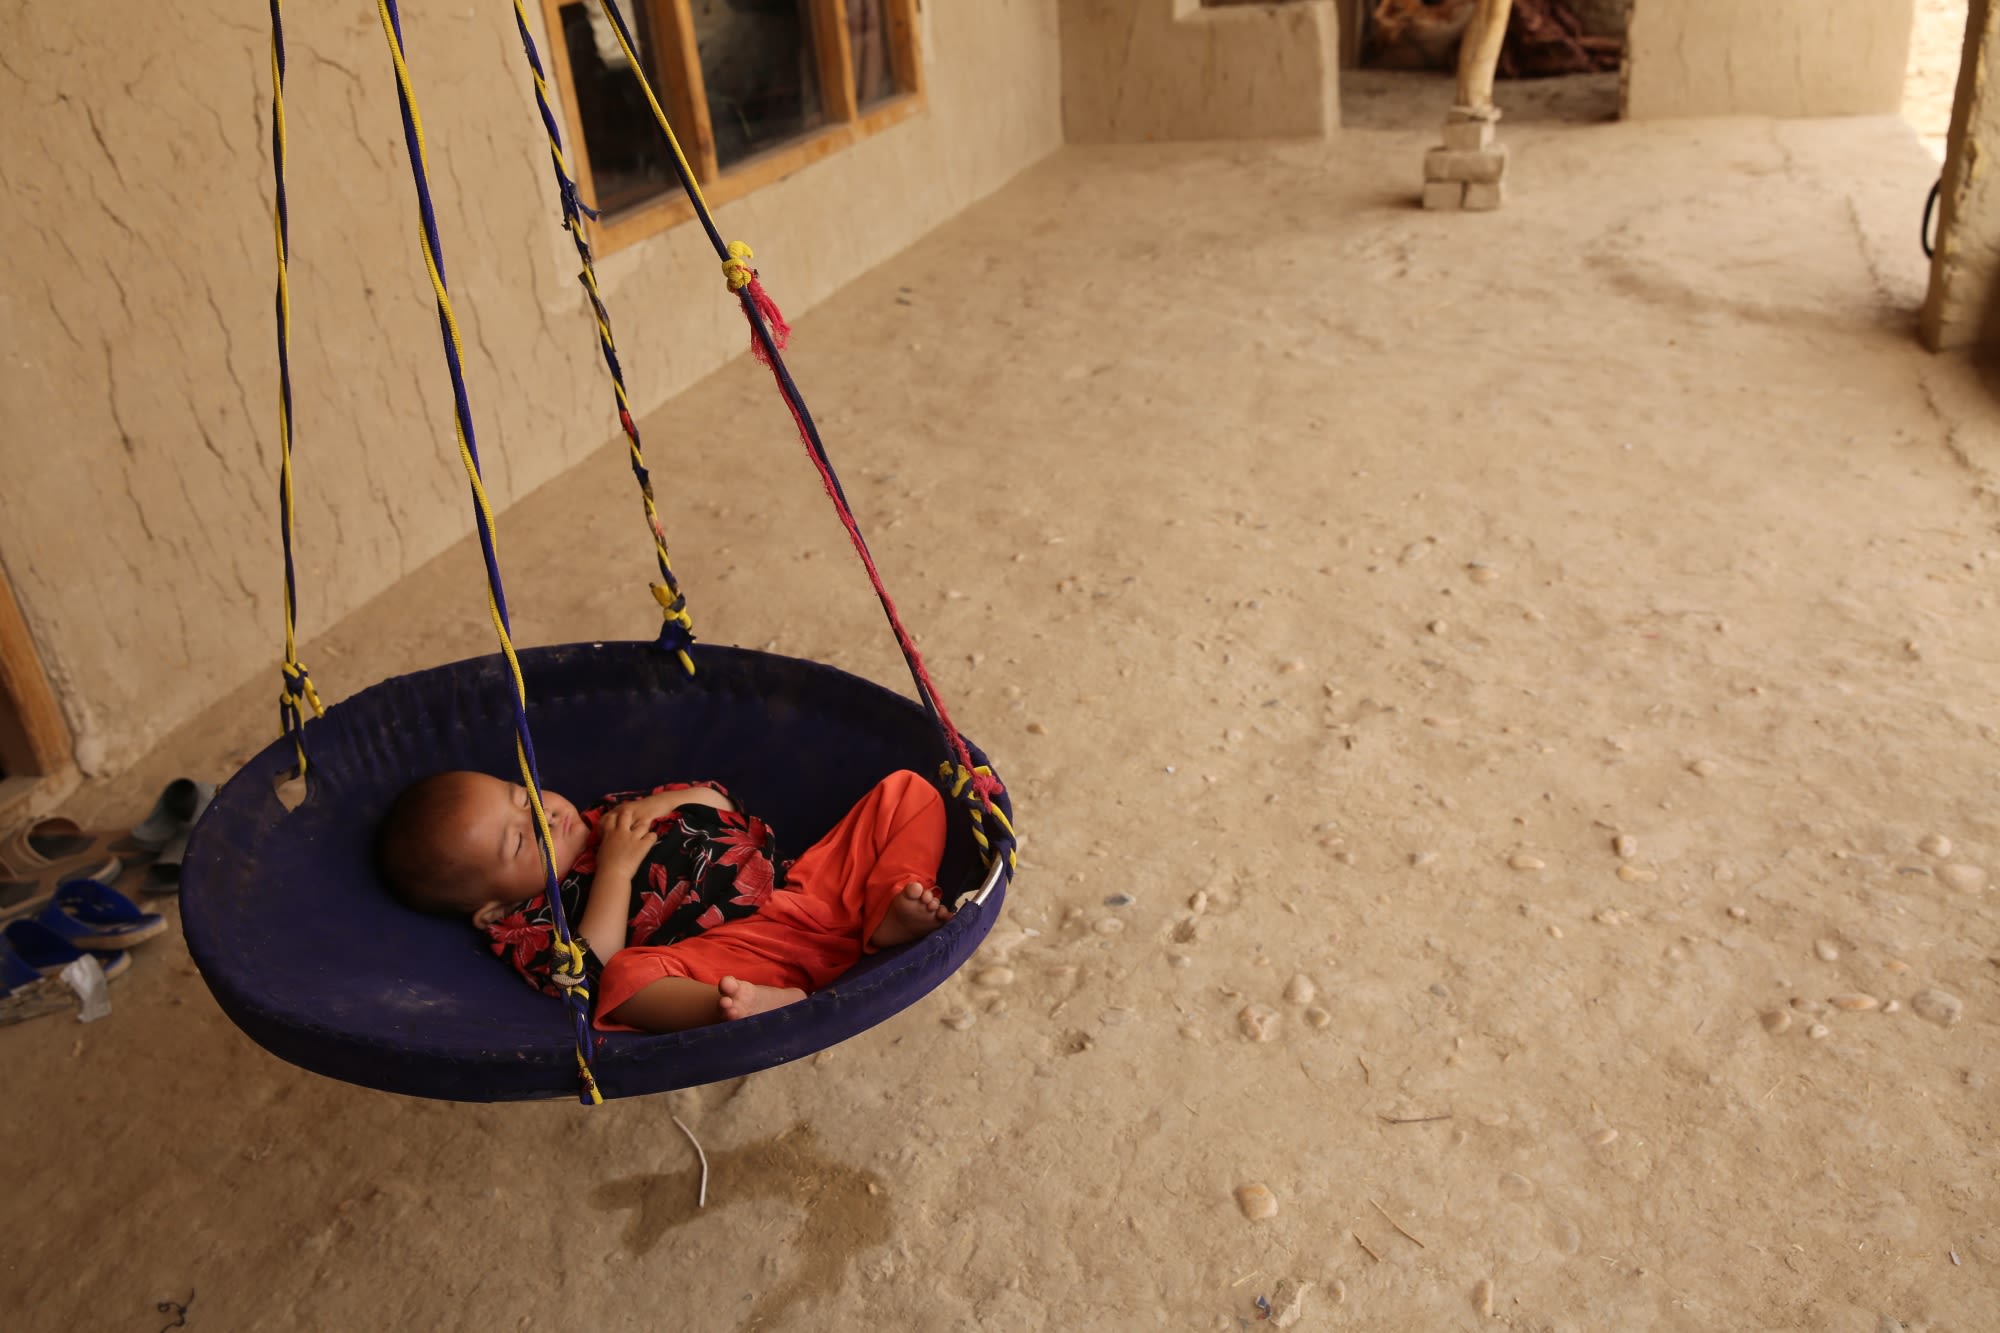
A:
x: 1468, y: 171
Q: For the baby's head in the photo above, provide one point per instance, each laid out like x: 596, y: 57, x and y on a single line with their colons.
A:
x: 464, y: 843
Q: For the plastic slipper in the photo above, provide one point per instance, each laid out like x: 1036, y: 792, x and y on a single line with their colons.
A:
x: 94, y: 916
x: 163, y: 877
x: 49, y: 953
x: 43, y: 843
x: 181, y: 803
x: 22, y: 893
x: 51, y: 845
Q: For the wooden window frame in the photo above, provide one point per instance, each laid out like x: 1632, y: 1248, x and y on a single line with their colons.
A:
x: 680, y: 90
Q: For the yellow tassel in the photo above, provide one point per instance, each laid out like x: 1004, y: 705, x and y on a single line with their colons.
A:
x: 736, y: 269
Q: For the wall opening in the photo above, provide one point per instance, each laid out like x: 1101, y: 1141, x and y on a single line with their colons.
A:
x: 1545, y: 38
x: 1560, y: 61
x: 1930, y: 83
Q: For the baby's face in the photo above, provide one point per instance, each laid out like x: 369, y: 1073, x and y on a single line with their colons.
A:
x: 494, y: 838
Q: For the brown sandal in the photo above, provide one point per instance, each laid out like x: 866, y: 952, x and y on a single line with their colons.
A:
x: 49, y: 843
x: 41, y: 858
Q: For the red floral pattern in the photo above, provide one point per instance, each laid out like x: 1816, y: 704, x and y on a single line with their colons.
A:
x: 707, y: 867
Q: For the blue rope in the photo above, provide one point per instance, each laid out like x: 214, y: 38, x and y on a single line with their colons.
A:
x: 297, y: 684
x: 676, y: 634
x: 809, y: 429
x: 579, y: 998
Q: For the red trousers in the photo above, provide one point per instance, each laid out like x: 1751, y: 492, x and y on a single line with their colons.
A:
x: 816, y: 924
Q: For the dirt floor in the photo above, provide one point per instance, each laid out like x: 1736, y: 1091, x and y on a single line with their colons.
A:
x: 1517, y: 659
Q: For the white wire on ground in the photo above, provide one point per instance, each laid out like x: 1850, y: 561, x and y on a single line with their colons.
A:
x: 701, y: 1201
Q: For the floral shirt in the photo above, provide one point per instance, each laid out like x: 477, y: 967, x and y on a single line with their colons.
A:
x: 708, y: 866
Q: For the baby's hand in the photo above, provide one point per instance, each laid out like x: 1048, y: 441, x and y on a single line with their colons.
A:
x: 625, y: 835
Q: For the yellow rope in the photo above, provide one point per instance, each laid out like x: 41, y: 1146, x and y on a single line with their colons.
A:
x: 646, y: 86
x: 959, y: 778
x: 672, y: 604
x: 298, y: 681
x: 736, y: 270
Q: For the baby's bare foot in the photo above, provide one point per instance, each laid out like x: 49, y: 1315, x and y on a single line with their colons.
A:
x: 740, y: 999
x: 914, y: 913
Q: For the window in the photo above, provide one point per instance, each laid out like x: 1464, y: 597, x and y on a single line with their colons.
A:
x: 755, y: 90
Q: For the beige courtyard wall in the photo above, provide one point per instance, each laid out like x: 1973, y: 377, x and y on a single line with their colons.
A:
x: 1144, y: 70
x: 1766, y: 57
x: 137, y: 368
x: 1962, y: 307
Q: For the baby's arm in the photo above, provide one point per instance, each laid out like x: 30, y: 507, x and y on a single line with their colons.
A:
x: 624, y: 837
x: 661, y: 804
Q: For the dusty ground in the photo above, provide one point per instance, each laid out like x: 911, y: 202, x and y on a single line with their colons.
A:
x: 1364, y: 574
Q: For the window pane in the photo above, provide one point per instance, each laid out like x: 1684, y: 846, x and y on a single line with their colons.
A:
x: 629, y: 163
x: 757, y: 62
x: 868, y: 37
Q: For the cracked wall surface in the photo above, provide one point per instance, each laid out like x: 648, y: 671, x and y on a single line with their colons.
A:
x: 1147, y: 70
x: 1962, y: 307
x: 1768, y: 58
x: 137, y: 359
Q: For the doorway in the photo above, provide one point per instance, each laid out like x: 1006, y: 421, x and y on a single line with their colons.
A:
x: 1937, y: 43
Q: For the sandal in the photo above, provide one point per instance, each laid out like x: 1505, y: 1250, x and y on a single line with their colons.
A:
x: 181, y: 803
x: 52, y: 845
x: 26, y: 892
x: 163, y: 877
x: 94, y: 916
x: 48, y: 953
x: 43, y: 843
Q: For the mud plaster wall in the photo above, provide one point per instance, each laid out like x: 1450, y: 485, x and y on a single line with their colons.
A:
x: 1145, y: 70
x: 1963, y: 305
x: 137, y: 368
x: 1767, y: 58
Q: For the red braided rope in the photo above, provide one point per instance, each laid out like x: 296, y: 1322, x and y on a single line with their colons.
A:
x: 985, y: 785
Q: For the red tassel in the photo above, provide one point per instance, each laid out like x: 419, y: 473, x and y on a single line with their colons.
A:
x: 781, y: 332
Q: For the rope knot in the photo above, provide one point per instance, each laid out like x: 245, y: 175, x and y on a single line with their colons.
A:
x: 299, y: 687
x: 676, y: 625
x: 569, y: 972
x: 572, y: 202
x: 736, y: 269
x: 673, y: 605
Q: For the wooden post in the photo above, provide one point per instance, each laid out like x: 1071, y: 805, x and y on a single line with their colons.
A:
x: 1469, y: 170
x: 1479, y: 56
x: 33, y: 738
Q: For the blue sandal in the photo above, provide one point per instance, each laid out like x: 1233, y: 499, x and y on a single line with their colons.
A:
x: 47, y: 953
x: 91, y: 915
